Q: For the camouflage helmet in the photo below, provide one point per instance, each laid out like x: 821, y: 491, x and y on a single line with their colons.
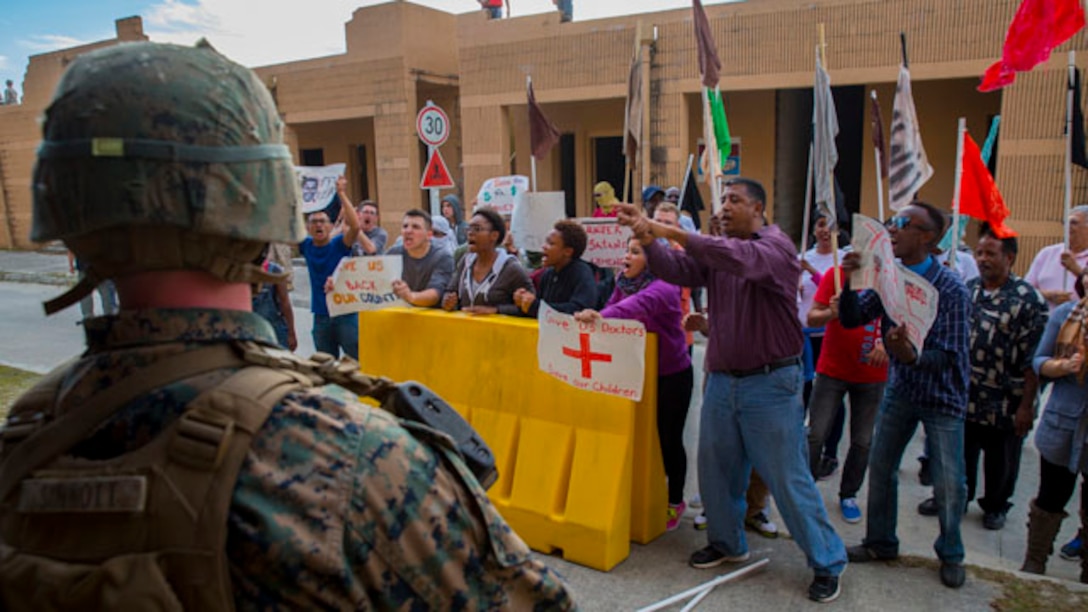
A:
x: 162, y: 157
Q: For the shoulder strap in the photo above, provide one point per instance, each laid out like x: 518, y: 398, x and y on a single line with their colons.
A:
x: 208, y: 448
x: 52, y: 440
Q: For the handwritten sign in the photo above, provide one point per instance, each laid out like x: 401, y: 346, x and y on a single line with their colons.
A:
x: 318, y: 185
x: 364, y: 283
x: 503, y: 193
x: 606, y: 242
x: 906, y: 296
x: 608, y: 356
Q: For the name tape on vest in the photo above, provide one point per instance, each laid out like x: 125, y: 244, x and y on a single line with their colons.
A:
x: 92, y: 494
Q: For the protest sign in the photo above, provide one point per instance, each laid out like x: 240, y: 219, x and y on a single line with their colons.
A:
x: 535, y: 216
x: 364, y: 283
x: 608, y: 356
x: 503, y: 193
x: 906, y: 296
x: 606, y: 243
x: 318, y: 185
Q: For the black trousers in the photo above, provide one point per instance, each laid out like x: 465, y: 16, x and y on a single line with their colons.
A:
x: 1001, y: 465
x: 1056, y: 484
x: 673, y: 399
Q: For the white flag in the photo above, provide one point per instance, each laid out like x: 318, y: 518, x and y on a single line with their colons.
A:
x: 825, y: 127
x: 909, y: 169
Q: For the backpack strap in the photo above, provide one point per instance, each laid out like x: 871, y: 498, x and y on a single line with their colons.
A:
x: 51, y: 440
x: 204, y: 456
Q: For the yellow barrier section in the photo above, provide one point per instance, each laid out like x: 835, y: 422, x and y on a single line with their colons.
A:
x: 580, y: 473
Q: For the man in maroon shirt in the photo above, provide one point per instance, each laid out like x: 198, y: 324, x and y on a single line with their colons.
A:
x: 752, y: 413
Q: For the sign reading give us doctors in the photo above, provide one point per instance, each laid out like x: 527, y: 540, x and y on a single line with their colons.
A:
x: 364, y: 283
x: 607, y: 356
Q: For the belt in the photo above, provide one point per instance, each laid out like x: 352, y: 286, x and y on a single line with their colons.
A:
x: 767, y: 368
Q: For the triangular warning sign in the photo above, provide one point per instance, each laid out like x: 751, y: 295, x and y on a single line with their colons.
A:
x: 437, y: 175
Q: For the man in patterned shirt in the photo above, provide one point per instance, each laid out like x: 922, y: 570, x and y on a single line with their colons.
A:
x: 331, y: 504
x: 927, y: 386
x: 1007, y: 320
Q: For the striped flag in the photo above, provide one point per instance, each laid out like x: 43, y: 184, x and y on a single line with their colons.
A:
x: 825, y: 127
x: 909, y: 167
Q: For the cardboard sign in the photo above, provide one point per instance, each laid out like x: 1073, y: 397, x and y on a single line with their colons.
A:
x: 535, y: 216
x: 605, y: 357
x: 318, y: 185
x: 503, y: 193
x: 364, y: 283
x: 906, y: 296
x: 606, y: 243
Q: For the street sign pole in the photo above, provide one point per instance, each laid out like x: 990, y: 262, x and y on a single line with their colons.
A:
x: 433, y: 127
x: 436, y: 207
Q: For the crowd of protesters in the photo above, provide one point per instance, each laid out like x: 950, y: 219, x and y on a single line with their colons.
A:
x: 773, y: 414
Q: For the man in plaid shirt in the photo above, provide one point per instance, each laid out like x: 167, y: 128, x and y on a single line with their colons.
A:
x: 927, y: 386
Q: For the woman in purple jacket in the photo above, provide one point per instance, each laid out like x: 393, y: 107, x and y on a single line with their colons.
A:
x: 655, y: 303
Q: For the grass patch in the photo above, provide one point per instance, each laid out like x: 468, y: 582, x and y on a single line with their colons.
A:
x: 12, y: 383
x: 1017, y: 593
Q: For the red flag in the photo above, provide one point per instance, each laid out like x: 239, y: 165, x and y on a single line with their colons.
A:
x: 1039, y: 27
x: 979, y: 197
x: 709, y: 64
x: 543, y: 135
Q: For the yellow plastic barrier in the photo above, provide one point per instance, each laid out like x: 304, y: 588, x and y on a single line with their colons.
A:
x: 580, y: 473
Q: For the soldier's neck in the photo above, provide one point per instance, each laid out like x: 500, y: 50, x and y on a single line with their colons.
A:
x: 181, y: 289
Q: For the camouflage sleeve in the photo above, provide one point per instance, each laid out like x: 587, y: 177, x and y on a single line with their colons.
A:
x: 341, y: 506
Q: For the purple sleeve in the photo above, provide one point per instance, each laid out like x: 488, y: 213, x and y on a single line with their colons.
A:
x: 757, y: 259
x: 673, y: 266
x: 643, y: 305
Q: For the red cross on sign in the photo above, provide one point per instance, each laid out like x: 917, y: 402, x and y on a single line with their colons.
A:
x: 587, y: 356
x: 437, y: 175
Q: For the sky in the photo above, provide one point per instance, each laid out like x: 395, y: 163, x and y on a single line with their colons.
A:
x: 277, y: 31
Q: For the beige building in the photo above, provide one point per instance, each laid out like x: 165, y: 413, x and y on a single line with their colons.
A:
x: 359, y: 108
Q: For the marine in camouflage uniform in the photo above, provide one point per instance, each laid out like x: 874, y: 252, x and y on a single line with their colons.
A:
x: 337, y: 505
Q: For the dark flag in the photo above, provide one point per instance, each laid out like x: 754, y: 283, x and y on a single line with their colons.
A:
x: 1080, y: 155
x: 633, y: 137
x: 690, y: 200
x: 1039, y: 27
x: 877, y: 122
x: 543, y: 135
x: 709, y: 64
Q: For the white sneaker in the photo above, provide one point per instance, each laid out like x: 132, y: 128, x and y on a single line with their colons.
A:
x: 696, y: 502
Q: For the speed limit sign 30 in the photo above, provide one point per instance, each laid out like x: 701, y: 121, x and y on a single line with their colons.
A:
x: 433, y: 126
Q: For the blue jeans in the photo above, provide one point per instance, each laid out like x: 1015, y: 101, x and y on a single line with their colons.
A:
x: 757, y: 421
x: 895, y: 425
x: 331, y: 334
x: 566, y: 9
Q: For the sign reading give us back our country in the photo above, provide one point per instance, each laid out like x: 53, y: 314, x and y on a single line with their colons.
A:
x: 607, y: 356
x: 364, y: 283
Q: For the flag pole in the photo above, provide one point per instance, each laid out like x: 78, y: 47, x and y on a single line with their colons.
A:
x: 879, y: 172
x: 712, y: 154
x: 684, y: 184
x: 962, y: 128
x: 532, y: 156
x: 831, y: 181
x: 1068, y: 207
x: 627, y: 165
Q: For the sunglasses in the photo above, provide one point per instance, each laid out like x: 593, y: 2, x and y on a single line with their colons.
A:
x: 902, y: 223
x: 476, y: 229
